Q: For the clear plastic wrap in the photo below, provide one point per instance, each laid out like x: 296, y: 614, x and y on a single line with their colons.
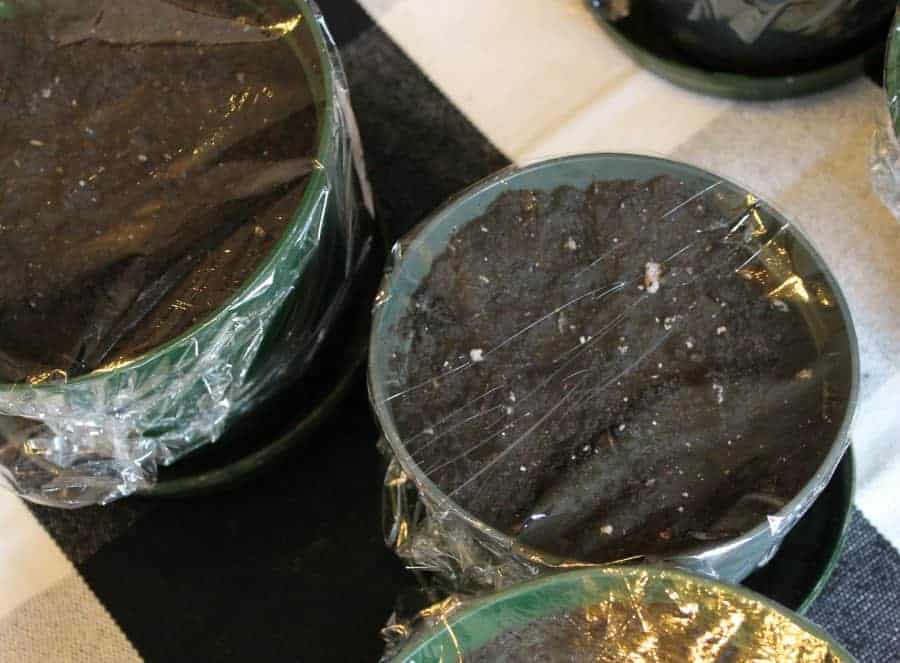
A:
x: 627, y: 614
x: 605, y: 358
x: 234, y: 220
x: 885, y: 162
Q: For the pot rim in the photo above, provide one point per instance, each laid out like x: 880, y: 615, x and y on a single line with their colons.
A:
x: 311, y: 17
x: 378, y: 397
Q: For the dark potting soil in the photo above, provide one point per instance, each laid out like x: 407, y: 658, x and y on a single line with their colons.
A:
x: 589, y: 372
x: 151, y: 155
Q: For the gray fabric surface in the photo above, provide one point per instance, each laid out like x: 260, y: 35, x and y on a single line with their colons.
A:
x: 860, y: 606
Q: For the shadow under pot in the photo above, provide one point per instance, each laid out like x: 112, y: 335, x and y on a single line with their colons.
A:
x: 179, y: 229
x: 602, y: 358
x: 763, y: 37
x: 615, y: 615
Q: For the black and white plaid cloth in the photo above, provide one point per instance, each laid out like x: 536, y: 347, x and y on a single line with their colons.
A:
x: 291, y: 566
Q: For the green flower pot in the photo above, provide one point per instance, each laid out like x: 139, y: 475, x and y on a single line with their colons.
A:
x: 435, y: 532
x: 777, y: 37
x: 707, y: 56
x: 701, y: 620
x: 110, y: 428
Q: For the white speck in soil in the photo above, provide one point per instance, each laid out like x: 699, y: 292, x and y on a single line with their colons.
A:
x: 512, y: 396
x: 652, y: 274
x: 509, y: 410
x: 649, y: 482
x: 721, y: 330
x: 46, y: 93
x: 429, y: 431
x: 582, y: 339
x: 621, y: 427
x: 780, y: 305
x: 685, y: 495
x: 689, y: 344
x: 483, y: 278
x: 654, y: 422
x: 804, y: 374
x: 623, y: 349
x: 483, y: 229
x: 36, y: 143
x: 586, y: 448
x: 607, y: 529
x: 615, y: 240
x: 571, y: 244
x: 476, y: 355
x: 681, y: 509
x: 143, y: 158
x: 522, y: 468
x: 719, y: 391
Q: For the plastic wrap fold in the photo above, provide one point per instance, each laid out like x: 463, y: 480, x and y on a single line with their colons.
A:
x: 633, y: 614
x: 234, y: 205
x: 605, y: 359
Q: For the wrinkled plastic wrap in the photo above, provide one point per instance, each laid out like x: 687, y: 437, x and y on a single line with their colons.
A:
x: 225, y: 161
x: 761, y: 36
x: 885, y: 162
x: 602, y: 359
x: 634, y: 614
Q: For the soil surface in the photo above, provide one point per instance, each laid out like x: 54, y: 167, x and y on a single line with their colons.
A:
x: 151, y: 155
x: 590, y: 372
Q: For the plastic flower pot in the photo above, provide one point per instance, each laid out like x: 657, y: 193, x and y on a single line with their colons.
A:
x: 99, y: 436
x: 768, y: 38
x: 433, y: 531
x: 744, y: 51
x: 615, y: 614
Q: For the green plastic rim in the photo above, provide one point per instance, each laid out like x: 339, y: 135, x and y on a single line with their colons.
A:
x: 730, y: 85
x: 483, y: 620
x: 733, y: 559
x: 324, y: 95
x: 892, y: 73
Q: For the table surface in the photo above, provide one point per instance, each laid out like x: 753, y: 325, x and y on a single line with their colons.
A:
x: 291, y: 567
